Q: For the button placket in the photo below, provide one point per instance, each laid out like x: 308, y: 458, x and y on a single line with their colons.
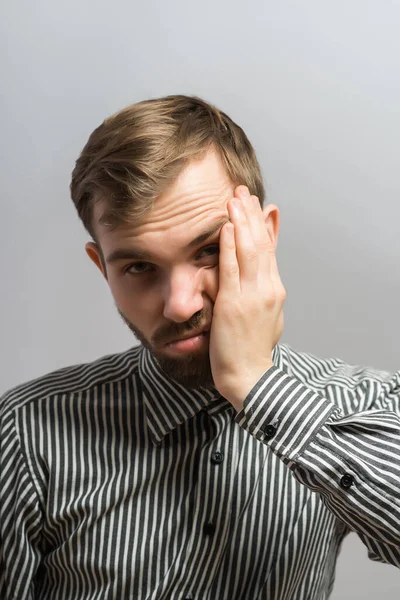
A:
x: 213, y: 470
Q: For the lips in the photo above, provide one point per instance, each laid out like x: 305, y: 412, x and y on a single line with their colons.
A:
x: 187, y: 336
x: 197, y: 342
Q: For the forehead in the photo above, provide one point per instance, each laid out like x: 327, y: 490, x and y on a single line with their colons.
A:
x: 196, y: 199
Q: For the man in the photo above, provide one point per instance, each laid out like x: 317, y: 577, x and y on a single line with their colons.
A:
x: 209, y: 462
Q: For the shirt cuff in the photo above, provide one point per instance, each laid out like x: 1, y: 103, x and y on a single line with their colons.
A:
x: 284, y: 413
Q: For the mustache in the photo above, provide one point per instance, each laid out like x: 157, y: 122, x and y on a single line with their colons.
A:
x: 172, y: 331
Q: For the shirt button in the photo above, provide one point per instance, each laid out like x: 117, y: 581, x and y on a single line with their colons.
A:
x: 347, y: 481
x: 269, y: 431
x: 217, y: 457
x: 209, y: 528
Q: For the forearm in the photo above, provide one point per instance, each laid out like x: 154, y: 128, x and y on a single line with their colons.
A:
x: 350, y: 460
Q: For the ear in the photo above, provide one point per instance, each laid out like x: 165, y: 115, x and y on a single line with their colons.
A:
x: 95, y: 254
x: 272, y: 221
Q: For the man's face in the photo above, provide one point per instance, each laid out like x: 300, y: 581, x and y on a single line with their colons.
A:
x: 163, y: 272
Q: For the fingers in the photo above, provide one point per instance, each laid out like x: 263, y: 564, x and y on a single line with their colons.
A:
x: 229, y: 276
x: 253, y: 213
x: 247, y: 256
x: 246, y: 251
x: 262, y: 242
x: 258, y: 228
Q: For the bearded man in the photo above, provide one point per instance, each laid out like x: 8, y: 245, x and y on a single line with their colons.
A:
x: 210, y: 461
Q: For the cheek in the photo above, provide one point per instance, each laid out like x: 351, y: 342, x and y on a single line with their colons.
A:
x: 141, y: 306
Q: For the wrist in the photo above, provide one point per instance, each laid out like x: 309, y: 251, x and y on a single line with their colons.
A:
x: 242, y: 388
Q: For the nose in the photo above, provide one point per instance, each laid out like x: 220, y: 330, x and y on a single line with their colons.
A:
x: 182, y: 296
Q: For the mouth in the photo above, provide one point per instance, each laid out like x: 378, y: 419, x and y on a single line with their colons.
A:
x: 190, y: 342
x: 191, y: 334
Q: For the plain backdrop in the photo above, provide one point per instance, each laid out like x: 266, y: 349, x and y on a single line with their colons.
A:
x: 314, y: 83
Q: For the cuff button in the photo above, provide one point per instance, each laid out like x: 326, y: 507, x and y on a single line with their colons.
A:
x: 269, y: 431
x: 347, y: 481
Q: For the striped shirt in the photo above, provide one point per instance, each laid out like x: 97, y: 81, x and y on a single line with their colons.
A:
x: 118, y: 483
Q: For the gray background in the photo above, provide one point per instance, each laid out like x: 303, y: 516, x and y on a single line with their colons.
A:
x: 316, y: 86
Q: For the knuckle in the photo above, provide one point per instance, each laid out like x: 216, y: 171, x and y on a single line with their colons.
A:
x: 264, y: 246
x: 232, y: 270
x: 251, y: 255
x: 270, y: 299
x: 274, y: 296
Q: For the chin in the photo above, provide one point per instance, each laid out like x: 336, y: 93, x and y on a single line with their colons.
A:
x: 192, y: 371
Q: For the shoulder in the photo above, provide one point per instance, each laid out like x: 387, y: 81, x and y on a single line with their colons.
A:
x: 319, y: 373
x: 73, y: 379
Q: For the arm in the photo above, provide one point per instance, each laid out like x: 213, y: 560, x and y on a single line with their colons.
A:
x: 349, y: 454
x: 341, y: 441
x: 20, y: 515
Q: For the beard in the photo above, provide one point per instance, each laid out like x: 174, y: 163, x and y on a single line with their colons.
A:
x: 192, y: 370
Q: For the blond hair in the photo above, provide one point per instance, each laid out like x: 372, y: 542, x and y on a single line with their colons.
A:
x: 136, y: 153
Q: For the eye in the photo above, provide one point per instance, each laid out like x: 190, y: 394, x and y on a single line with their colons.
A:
x: 138, y: 268
x: 209, y: 251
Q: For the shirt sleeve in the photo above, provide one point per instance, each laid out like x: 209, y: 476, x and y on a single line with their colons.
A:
x: 341, y: 439
x: 20, y: 516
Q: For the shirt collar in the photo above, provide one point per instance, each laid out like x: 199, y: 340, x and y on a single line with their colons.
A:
x: 168, y: 403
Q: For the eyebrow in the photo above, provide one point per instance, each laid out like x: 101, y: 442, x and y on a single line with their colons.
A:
x: 133, y: 254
